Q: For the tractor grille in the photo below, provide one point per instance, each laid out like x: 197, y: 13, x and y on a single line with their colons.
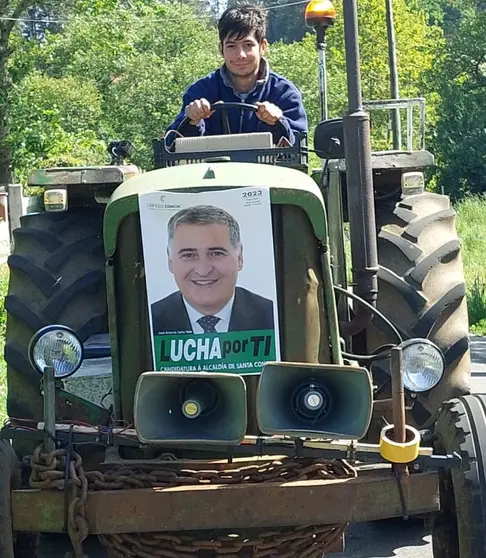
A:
x: 303, y: 324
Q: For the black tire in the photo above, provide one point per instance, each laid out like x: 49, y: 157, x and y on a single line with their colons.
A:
x: 12, y: 545
x: 421, y: 289
x: 459, y: 528
x: 57, y: 275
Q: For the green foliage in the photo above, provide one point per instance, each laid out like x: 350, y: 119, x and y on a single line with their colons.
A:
x: 4, y: 277
x: 479, y: 328
x: 471, y: 215
x: 134, y: 64
x: 416, y: 45
x: 459, y: 78
x: 54, y: 122
x: 476, y: 305
x: 132, y: 60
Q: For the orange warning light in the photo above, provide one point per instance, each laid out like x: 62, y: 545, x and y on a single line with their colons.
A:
x: 320, y: 13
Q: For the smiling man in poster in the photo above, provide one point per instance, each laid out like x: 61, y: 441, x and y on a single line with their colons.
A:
x: 204, y: 319
x: 205, y: 255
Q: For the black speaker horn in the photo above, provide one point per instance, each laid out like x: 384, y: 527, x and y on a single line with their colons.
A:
x: 196, y: 407
x: 304, y: 400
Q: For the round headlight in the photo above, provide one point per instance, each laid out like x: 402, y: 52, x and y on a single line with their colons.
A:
x: 423, y: 364
x: 57, y: 347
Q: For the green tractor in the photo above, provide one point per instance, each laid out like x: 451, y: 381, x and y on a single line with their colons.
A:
x: 324, y: 402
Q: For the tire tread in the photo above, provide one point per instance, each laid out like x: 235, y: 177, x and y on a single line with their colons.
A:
x: 59, y: 281
x: 422, y: 290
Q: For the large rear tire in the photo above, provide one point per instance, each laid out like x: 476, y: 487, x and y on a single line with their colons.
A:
x: 459, y: 528
x: 56, y: 276
x: 421, y: 289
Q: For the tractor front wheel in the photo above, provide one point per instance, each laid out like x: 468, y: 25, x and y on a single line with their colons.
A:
x: 459, y: 527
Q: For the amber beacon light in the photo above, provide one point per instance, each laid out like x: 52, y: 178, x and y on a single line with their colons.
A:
x: 320, y: 13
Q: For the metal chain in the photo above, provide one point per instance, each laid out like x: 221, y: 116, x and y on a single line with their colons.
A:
x: 49, y: 472
x: 301, y: 542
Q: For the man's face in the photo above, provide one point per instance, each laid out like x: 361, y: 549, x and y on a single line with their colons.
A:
x: 205, y: 265
x: 242, y: 55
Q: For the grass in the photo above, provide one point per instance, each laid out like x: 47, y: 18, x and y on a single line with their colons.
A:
x: 471, y: 220
x: 3, y: 369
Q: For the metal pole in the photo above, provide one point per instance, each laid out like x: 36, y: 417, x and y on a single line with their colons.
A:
x: 49, y: 387
x: 359, y: 175
x: 399, y: 421
x: 398, y: 396
x: 350, y: 14
x: 392, y: 63
x: 321, y: 48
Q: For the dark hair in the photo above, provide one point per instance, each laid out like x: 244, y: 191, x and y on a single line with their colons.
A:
x: 205, y: 215
x: 241, y: 21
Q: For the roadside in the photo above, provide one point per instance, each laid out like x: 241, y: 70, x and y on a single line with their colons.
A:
x: 478, y: 354
x: 407, y: 539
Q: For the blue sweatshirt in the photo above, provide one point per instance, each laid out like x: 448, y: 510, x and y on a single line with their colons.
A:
x: 271, y: 87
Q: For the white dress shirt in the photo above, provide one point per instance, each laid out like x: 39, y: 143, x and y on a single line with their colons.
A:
x: 224, y: 316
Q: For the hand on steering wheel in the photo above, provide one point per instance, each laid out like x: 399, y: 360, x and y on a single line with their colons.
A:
x: 198, y: 110
x: 202, y: 108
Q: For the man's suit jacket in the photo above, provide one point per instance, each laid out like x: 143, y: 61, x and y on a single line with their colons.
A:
x: 250, y: 311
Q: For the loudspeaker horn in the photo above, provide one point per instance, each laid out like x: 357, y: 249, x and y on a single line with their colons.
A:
x: 182, y: 407
x: 314, y: 400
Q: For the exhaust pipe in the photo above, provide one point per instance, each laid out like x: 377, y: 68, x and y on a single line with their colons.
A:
x: 359, y: 179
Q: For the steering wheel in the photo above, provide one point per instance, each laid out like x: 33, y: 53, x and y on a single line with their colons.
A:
x: 224, y: 107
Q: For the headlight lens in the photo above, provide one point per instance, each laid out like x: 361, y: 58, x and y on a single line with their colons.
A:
x: 56, y: 346
x: 423, y: 365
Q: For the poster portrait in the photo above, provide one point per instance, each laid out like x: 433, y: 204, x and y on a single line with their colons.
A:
x: 210, y: 276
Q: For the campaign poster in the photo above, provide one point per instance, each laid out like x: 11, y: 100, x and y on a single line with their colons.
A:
x: 210, y: 274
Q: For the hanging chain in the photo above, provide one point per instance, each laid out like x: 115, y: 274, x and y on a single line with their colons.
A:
x: 62, y: 469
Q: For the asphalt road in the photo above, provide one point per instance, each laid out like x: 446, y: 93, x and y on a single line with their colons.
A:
x: 382, y: 539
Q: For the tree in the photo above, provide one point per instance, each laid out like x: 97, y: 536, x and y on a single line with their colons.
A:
x: 460, y: 80
x: 55, y: 122
x: 10, y: 10
x: 417, y: 44
x: 13, y: 37
x: 138, y: 59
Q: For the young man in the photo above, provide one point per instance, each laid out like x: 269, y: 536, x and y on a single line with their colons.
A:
x: 244, y: 77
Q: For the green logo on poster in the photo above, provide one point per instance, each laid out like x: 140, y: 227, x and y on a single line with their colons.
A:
x: 244, y: 352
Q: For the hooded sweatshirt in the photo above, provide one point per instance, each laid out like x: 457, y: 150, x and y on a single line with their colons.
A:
x: 271, y: 87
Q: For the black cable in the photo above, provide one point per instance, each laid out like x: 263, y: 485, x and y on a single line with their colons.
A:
x: 104, y: 397
x: 372, y: 309
x: 388, y: 195
x: 367, y: 358
x: 377, y: 354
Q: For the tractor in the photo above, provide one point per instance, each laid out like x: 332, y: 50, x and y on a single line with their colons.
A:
x: 345, y: 400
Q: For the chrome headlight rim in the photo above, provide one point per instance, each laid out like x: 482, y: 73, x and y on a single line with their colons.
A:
x: 49, y: 329
x: 421, y: 341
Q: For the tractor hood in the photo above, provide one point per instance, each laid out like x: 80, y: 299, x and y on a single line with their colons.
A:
x: 284, y: 183
x: 306, y: 306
